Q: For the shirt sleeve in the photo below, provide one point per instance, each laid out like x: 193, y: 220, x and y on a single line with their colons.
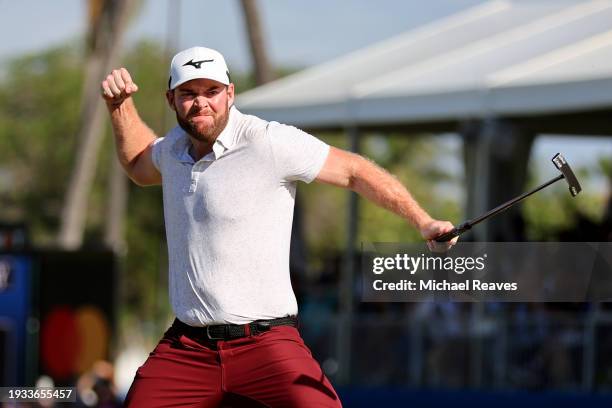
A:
x: 156, y: 153
x: 297, y: 154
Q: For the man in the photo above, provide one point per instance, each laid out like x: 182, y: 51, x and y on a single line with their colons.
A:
x: 229, y: 184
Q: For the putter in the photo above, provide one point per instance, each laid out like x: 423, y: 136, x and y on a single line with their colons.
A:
x: 566, y: 173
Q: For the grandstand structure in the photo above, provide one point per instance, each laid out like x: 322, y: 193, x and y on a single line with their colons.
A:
x: 498, y: 74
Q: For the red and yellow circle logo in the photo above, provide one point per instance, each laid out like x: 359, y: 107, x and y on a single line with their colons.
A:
x: 71, y: 340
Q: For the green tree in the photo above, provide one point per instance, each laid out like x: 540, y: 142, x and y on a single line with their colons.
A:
x: 553, y: 210
x: 39, y: 106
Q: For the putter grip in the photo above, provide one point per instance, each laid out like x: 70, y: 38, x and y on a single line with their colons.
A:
x: 447, y: 236
x: 455, y: 232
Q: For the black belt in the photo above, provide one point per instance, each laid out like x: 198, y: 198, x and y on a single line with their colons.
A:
x: 232, y: 331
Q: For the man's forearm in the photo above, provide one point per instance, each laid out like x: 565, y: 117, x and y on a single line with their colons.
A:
x: 382, y: 188
x: 132, y: 135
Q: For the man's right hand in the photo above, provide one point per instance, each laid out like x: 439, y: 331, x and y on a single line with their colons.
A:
x: 117, y: 87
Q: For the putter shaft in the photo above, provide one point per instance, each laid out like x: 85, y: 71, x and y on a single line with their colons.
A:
x: 470, y: 223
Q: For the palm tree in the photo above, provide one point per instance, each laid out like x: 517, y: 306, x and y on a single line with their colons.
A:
x: 263, y: 73
x: 107, y: 21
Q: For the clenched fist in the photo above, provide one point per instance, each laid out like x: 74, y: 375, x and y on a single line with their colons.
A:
x: 118, y: 86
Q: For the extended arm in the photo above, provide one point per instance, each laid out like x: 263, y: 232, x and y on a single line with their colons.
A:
x: 349, y: 170
x: 133, y: 138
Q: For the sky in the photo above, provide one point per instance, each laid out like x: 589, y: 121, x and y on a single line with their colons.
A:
x: 298, y: 34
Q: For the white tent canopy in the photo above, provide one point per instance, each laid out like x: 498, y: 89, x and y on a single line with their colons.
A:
x: 498, y: 59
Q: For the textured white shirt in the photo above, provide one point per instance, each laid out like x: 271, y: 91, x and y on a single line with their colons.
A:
x: 228, y: 218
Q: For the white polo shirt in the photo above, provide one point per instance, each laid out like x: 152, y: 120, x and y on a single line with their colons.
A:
x: 228, y: 218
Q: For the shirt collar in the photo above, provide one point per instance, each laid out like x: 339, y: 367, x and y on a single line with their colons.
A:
x: 226, y: 138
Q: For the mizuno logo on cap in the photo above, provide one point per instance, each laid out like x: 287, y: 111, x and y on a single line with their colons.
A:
x: 196, y: 64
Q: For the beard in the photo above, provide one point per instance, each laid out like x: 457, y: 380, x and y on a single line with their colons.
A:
x: 206, y: 133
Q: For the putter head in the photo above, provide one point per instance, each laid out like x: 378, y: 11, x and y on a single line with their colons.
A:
x: 560, y: 163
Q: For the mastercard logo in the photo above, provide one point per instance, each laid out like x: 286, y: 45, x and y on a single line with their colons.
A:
x: 71, y: 340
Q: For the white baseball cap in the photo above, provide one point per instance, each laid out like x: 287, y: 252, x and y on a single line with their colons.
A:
x: 196, y: 63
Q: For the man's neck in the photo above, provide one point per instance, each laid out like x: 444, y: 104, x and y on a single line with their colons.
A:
x: 200, y: 149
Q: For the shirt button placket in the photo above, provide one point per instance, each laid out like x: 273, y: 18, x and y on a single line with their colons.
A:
x: 194, y: 183
x: 195, y: 173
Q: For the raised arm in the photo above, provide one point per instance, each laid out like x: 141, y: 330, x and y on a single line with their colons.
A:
x: 349, y: 170
x: 133, y: 138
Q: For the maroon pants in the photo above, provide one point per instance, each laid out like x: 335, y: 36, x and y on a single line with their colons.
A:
x: 272, y: 369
